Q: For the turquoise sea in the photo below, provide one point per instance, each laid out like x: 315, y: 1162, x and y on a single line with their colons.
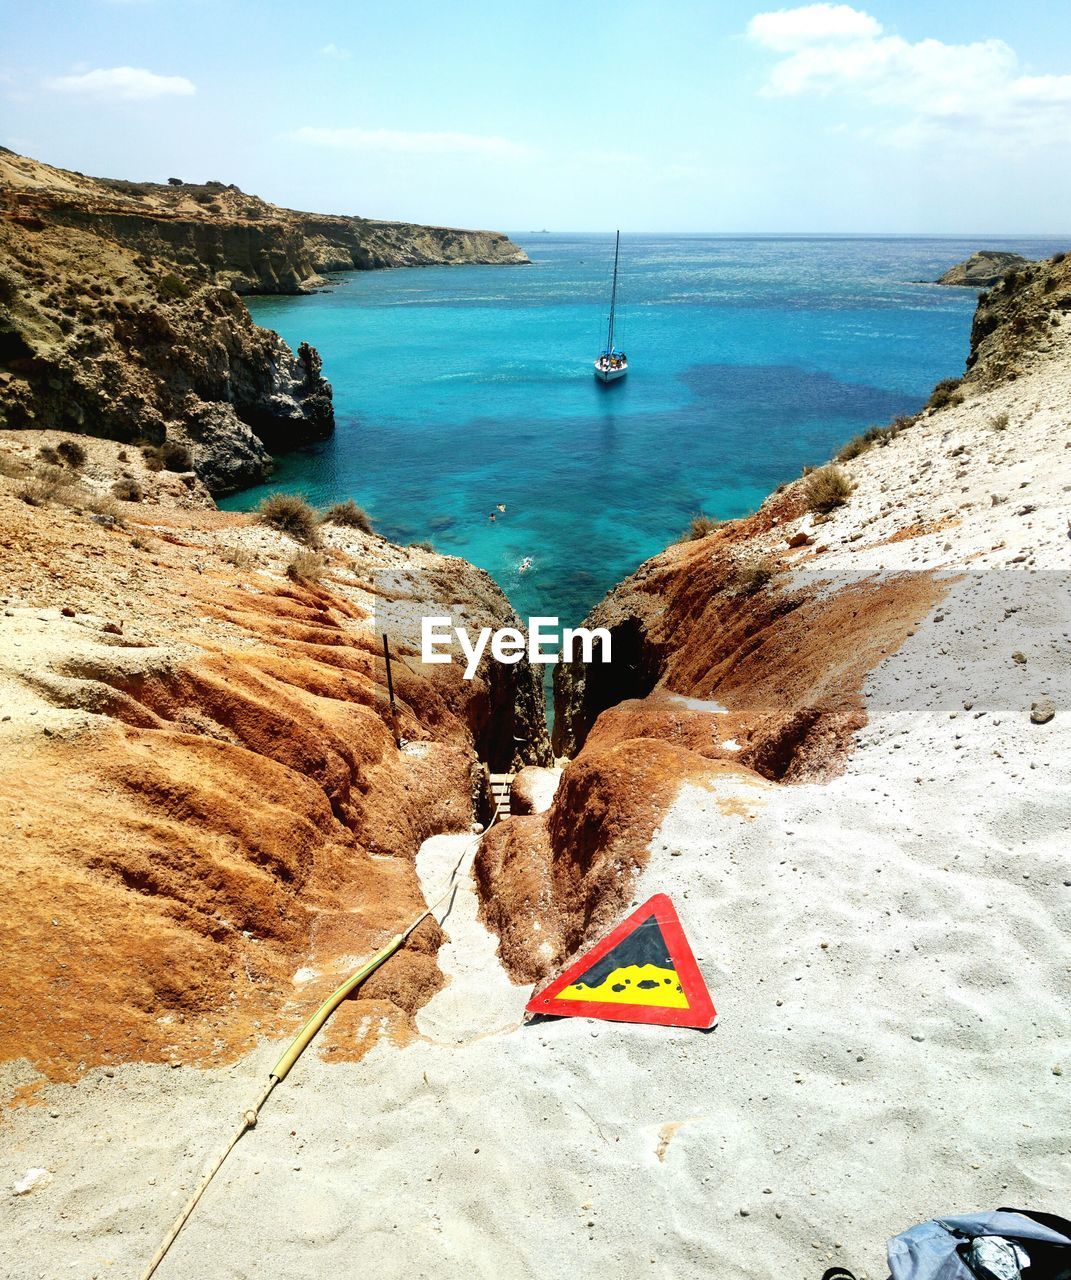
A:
x: 458, y: 388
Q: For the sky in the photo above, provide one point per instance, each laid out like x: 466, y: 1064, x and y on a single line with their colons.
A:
x: 893, y: 116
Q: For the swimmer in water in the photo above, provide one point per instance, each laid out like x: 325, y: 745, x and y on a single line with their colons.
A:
x: 491, y: 517
x: 525, y: 565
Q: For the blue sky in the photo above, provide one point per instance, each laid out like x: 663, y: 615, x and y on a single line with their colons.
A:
x: 680, y: 115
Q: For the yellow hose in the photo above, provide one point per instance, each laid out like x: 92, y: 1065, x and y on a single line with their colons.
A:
x: 301, y: 1040
x: 295, y: 1049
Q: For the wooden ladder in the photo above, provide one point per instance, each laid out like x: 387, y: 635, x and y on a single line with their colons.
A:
x: 500, y: 789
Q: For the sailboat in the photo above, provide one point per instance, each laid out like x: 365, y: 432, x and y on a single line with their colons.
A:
x: 612, y: 364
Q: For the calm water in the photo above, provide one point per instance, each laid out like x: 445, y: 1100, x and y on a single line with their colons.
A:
x: 457, y: 388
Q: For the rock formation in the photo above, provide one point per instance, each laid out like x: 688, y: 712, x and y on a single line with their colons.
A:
x: 982, y: 269
x: 210, y: 814
x: 745, y: 653
x: 1018, y: 323
x: 119, y: 313
x: 833, y: 732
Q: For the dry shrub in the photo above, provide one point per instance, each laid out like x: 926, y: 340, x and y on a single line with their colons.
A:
x: 11, y: 466
x: 947, y: 392
x: 239, y: 557
x: 348, y: 513
x: 870, y: 437
x: 72, y: 454
x: 127, y: 490
x: 827, y: 488
x: 701, y: 526
x: 306, y: 566
x: 169, y: 456
x: 175, y: 456
x: 753, y: 575
x: 171, y: 287
x: 999, y: 422
x: 42, y: 487
x: 100, y: 504
x: 151, y: 455
x: 292, y: 515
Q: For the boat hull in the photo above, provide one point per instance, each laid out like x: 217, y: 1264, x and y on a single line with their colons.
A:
x: 610, y: 375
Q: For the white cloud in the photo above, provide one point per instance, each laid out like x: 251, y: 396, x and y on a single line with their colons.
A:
x: 124, y: 83
x: 336, y: 52
x: 403, y: 143
x: 787, y: 29
x: 919, y: 91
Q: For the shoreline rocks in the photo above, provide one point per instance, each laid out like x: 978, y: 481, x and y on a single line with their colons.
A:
x: 120, y: 313
x: 983, y: 269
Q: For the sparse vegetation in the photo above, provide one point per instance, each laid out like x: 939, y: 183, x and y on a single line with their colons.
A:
x: 104, y: 506
x: 72, y: 453
x: 11, y: 466
x: 127, y: 490
x: 348, y: 513
x: 827, y: 488
x: 701, y: 525
x: 947, y: 392
x: 175, y: 456
x: 1058, y: 257
x: 753, y: 575
x: 151, y: 456
x: 49, y: 455
x: 239, y: 557
x: 42, y: 487
x: 169, y: 456
x: 860, y: 444
x: 306, y: 566
x: 292, y: 515
x: 423, y: 546
x: 873, y: 436
x: 171, y: 286
x: 999, y: 422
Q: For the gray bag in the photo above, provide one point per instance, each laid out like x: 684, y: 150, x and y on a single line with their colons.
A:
x: 1003, y: 1244
x: 941, y: 1249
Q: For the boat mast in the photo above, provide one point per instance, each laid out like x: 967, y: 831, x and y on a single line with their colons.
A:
x: 613, y: 297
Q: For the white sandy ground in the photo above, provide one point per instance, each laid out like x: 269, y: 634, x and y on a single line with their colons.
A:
x: 889, y: 954
x: 905, y: 1068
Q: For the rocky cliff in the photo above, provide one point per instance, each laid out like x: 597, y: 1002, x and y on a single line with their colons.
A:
x: 745, y: 653
x: 982, y: 269
x: 210, y: 815
x: 119, y: 313
x: 1019, y: 322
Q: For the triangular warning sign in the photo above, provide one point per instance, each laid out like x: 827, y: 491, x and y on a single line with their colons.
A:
x: 643, y: 971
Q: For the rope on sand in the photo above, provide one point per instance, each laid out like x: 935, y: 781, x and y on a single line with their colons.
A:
x: 300, y: 1043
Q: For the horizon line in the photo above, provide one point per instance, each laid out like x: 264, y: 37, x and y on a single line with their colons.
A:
x: 811, y: 235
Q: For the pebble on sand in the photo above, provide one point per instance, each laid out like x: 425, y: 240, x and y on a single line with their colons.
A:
x: 1042, y: 711
x: 30, y: 1181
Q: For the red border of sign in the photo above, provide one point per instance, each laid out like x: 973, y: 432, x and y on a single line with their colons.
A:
x: 700, y: 1012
